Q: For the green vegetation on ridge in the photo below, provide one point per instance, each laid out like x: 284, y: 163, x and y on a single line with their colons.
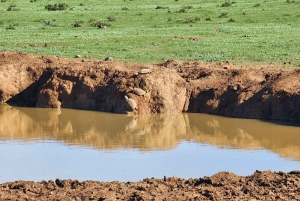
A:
x: 151, y: 31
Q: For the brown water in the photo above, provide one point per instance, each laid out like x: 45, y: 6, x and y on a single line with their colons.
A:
x: 149, y: 136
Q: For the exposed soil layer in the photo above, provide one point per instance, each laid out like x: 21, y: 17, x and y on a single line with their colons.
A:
x: 265, y: 185
x: 171, y: 87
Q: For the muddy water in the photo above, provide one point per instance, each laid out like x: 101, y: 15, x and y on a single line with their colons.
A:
x: 37, y: 144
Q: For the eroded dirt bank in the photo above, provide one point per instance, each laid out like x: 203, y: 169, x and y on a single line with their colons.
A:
x: 173, y: 86
x: 265, y: 185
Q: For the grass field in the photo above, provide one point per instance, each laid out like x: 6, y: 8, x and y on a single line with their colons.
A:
x: 151, y: 31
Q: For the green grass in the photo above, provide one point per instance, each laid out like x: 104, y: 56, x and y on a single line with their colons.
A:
x: 251, y: 31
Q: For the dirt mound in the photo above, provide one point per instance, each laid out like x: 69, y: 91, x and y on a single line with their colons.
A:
x: 222, y: 186
x: 171, y: 87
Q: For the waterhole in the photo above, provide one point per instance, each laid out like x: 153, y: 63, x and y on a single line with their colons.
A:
x: 42, y: 144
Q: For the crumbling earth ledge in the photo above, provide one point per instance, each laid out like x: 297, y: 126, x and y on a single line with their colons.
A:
x: 265, y: 185
x: 171, y: 87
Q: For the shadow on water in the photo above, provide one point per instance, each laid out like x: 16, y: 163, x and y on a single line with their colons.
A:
x: 146, y: 132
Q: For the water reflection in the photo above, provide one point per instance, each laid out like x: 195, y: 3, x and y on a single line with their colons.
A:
x: 147, y: 132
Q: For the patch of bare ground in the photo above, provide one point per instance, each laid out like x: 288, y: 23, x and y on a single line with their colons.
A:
x: 265, y: 185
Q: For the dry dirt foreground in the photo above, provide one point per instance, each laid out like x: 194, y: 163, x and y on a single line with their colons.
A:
x: 172, y: 87
x: 222, y: 186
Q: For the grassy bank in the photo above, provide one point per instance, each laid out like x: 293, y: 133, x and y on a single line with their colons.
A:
x: 152, y: 31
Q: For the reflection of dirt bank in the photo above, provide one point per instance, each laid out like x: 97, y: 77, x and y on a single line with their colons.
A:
x: 146, y: 132
x: 172, y: 87
x: 222, y: 186
x: 246, y: 134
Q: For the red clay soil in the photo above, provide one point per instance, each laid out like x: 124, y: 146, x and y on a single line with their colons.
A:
x: 265, y: 185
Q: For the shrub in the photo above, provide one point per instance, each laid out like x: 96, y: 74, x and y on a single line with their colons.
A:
x: 187, y: 7
x: 100, y: 24
x: 162, y: 7
x: 192, y: 20
x: 111, y: 18
x: 3, y: 0
x: 12, y: 26
x: 77, y: 23
x: 124, y: 8
x: 197, y: 18
x: 33, y: 1
x: 60, y: 6
x: 92, y: 21
x: 208, y: 18
x: 231, y: 20
x: 257, y: 5
x: 47, y: 22
x: 12, y: 7
x: 189, y: 20
x: 223, y: 15
x: 182, y: 10
x: 226, y: 4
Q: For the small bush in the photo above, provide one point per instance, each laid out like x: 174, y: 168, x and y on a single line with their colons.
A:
x: 192, y: 20
x: 47, y: 22
x: 81, y: 4
x: 124, y: 8
x: 12, y: 26
x: 208, y: 18
x: 197, y: 19
x: 223, y: 15
x: 33, y: 1
x: 55, y: 7
x: 257, y: 5
x: 231, y: 20
x: 100, y: 24
x: 3, y: 0
x: 111, y: 18
x: 226, y: 4
x: 162, y: 7
x: 170, y: 19
x: 189, y: 20
x: 13, y: 7
x: 92, y: 21
x: 77, y: 23
x: 182, y: 10
x: 187, y: 7
x: 289, y: 1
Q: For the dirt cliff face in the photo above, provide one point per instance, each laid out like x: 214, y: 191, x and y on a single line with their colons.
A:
x: 171, y: 87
